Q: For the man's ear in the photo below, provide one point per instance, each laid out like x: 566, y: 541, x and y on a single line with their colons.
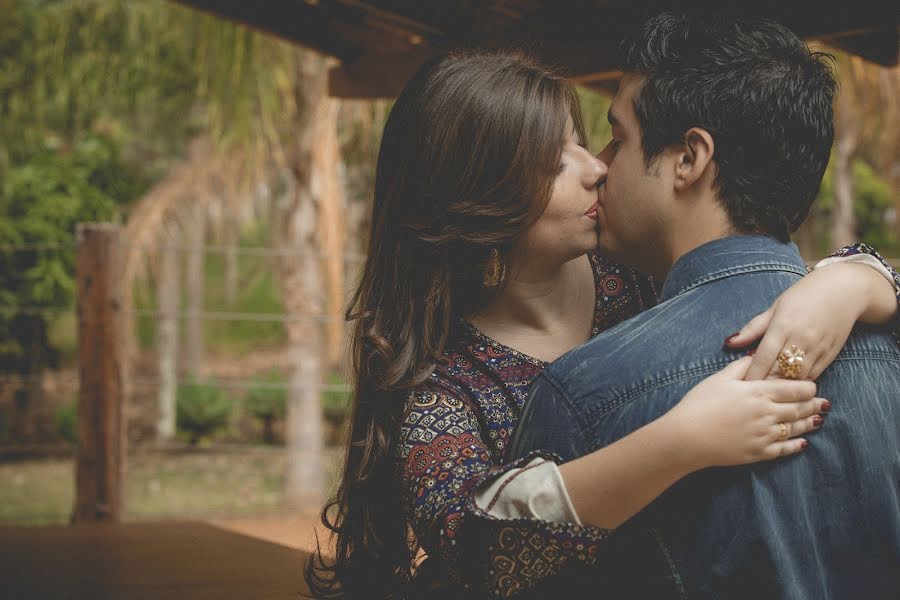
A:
x: 693, y: 158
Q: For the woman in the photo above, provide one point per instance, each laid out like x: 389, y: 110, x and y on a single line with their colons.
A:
x: 475, y: 188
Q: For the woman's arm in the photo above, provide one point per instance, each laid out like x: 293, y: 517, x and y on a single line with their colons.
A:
x: 443, y: 464
x: 818, y: 313
x: 610, y: 485
x: 862, y: 254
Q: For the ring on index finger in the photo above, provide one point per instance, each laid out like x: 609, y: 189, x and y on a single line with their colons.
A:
x: 790, y: 362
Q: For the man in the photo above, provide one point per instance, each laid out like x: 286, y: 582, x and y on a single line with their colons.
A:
x: 721, y: 134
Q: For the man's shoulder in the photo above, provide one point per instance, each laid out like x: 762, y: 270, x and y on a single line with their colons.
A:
x: 686, y: 331
x: 629, y: 352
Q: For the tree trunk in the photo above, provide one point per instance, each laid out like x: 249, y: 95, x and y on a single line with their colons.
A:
x: 328, y: 185
x: 168, y: 290
x: 195, y: 279
x: 843, y: 227
x: 230, y: 240
x: 301, y: 289
x: 301, y: 281
x: 889, y: 157
x: 230, y: 197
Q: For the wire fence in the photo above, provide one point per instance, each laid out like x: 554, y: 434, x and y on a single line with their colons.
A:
x: 258, y: 251
x: 184, y: 315
x: 146, y: 383
x: 236, y: 380
x: 230, y: 383
x: 224, y: 371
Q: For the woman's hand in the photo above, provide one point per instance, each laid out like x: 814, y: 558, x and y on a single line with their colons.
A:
x: 725, y: 420
x: 817, y: 315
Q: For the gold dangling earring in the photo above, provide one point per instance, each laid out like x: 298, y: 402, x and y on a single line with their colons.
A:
x: 495, y: 270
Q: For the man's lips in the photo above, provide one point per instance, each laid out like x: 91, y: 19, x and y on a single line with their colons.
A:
x: 592, y: 212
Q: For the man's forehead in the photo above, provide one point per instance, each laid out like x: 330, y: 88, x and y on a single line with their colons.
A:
x: 622, y: 102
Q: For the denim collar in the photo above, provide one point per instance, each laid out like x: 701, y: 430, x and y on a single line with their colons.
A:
x: 730, y: 256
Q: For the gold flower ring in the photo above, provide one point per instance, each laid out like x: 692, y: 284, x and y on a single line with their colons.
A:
x: 790, y: 361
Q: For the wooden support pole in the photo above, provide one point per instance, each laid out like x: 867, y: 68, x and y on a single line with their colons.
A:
x: 101, y: 431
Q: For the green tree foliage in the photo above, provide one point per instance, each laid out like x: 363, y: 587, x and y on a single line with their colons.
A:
x: 41, y: 201
x: 201, y: 410
x: 67, y: 422
x: 874, y: 207
x: 267, y: 402
x: 72, y: 68
x: 594, y: 108
x: 92, y: 94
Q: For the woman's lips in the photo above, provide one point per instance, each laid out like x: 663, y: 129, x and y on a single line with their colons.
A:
x: 592, y: 212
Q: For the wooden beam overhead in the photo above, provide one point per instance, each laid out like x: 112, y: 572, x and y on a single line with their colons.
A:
x: 302, y: 22
x: 382, y: 42
x: 879, y: 47
x: 376, y: 75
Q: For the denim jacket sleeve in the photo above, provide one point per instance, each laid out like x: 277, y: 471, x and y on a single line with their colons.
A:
x: 443, y: 460
x: 549, y: 422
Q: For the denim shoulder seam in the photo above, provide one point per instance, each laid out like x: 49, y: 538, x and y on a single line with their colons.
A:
x: 731, y: 271
x: 655, y: 383
x: 564, y: 395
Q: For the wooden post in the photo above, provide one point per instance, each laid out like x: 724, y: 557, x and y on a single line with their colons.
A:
x: 101, y: 431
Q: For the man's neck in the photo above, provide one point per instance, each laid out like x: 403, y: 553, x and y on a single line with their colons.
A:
x: 691, y: 232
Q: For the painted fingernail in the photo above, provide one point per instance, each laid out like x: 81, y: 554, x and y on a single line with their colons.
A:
x: 732, y: 336
x: 818, y: 420
x: 804, y: 445
x: 826, y: 406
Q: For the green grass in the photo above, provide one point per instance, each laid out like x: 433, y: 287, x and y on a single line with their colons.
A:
x: 205, y: 483
x: 257, y: 292
x: 196, y: 484
x: 36, y: 492
x: 63, y: 335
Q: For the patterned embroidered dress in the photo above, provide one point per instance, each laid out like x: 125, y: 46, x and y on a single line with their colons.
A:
x: 454, y: 437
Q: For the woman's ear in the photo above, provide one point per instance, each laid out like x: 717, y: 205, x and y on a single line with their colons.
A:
x: 695, y: 155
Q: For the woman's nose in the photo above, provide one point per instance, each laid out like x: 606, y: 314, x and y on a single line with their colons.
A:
x: 598, y: 169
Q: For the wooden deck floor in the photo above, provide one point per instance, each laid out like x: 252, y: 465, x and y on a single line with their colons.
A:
x: 143, y: 561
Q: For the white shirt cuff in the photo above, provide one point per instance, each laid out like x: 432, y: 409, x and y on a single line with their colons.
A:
x: 536, y: 491
x: 866, y: 259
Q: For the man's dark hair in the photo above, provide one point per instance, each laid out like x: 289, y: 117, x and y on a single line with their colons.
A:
x: 765, y: 98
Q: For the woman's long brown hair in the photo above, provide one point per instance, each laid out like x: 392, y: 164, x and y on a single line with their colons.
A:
x: 466, y: 165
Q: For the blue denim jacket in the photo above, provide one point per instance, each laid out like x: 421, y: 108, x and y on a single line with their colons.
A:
x: 819, y: 525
